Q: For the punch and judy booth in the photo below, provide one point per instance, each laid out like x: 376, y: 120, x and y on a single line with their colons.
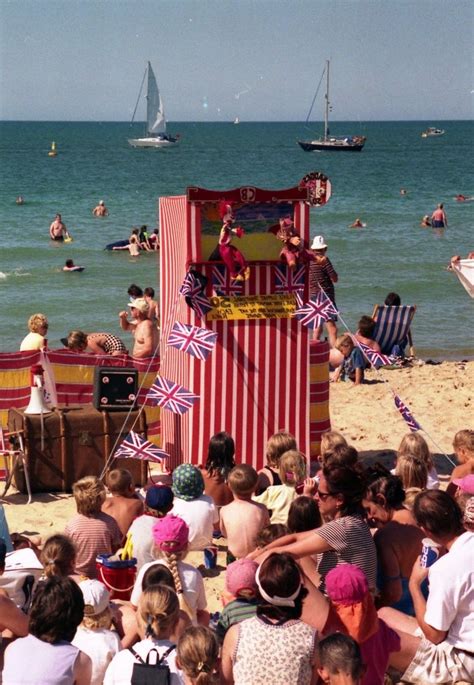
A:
x: 263, y: 374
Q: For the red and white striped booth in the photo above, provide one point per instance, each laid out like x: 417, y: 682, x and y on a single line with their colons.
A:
x: 264, y: 375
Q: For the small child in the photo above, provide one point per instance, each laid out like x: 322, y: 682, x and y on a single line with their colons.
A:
x: 240, y: 595
x: 270, y: 474
x: 197, y: 656
x: 304, y: 515
x: 158, y: 503
x: 463, y: 445
x: 242, y: 519
x: 271, y: 532
x: 170, y: 536
x: 414, y: 444
x: 413, y: 473
x: 354, y: 361
x: 340, y: 660
x: 197, y: 509
x: 278, y: 498
x: 94, y: 636
x: 353, y: 611
x: 330, y: 440
x: 124, y: 505
x: 91, y: 531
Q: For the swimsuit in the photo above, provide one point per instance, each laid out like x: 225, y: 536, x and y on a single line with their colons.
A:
x: 111, y: 343
x: 58, y: 237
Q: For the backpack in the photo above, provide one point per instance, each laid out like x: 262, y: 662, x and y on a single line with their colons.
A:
x: 146, y: 673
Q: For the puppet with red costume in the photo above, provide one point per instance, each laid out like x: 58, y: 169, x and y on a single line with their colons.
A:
x: 230, y: 255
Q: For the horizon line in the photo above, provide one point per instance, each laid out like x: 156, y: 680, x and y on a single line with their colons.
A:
x: 224, y: 121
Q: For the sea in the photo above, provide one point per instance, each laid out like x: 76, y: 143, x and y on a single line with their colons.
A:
x: 94, y: 162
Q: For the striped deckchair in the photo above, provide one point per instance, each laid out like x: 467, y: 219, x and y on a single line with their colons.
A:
x: 392, y: 325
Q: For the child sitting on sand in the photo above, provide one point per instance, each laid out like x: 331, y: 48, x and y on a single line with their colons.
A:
x: 270, y: 474
x: 242, y: 519
x: 463, y: 446
x: 158, y: 503
x: 240, y: 595
x: 353, y: 612
x: 94, y: 636
x: 124, y: 505
x: 278, y: 498
x: 170, y: 535
x: 414, y: 444
x: 91, y: 531
x: 193, y: 506
x: 340, y: 660
x: 353, y: 366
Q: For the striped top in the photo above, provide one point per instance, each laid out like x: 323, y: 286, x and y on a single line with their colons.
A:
x: 351, y: 543
x: 235, y: 612
x: 320, y: 276
x: 92, y: 535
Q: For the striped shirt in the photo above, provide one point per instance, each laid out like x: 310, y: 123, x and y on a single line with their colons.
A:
x: 92, y: 535
x: 351, y: 543
x: 320, y: 276
x: 235, y: 612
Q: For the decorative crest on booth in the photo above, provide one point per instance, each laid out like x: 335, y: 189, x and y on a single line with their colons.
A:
x: 318, y: 186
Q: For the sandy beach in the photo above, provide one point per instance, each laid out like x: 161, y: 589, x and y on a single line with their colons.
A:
x: 439, y: 397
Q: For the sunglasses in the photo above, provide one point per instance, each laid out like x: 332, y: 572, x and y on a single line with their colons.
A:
x: 324, y: 495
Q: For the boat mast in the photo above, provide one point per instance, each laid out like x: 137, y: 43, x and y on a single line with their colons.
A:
x: 326, y: 111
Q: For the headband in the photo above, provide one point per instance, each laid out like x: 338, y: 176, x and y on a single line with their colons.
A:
x: 277, y: 601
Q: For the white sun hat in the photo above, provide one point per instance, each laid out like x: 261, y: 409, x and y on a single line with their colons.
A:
x: 318, y: 243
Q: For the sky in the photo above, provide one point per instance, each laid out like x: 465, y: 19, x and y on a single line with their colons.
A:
x: 260, y: 60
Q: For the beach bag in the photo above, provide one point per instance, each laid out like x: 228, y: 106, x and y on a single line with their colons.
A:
x: 117, y: 575
x: 146, y: 673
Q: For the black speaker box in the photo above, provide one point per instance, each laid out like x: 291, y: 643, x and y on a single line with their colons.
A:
x: 115, y: 389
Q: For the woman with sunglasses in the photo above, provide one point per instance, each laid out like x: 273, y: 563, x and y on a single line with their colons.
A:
x: 344, y: 537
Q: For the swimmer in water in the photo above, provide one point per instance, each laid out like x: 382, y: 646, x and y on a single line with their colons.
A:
x: 426, y: 221
x: 100, y: 210
x: 70, y: 266
x: 357, y: 224
x: 19, y: 200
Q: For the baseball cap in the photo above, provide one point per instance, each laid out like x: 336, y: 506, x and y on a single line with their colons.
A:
x: 466, y: 484
x: 346, y: 584
x: 171, y: 534
x: 159, y: 497
x: 141, y: 304
x: 96, y: 597
x: 240, y: 577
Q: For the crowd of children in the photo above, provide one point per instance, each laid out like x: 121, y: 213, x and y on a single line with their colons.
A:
x: 324, y: 582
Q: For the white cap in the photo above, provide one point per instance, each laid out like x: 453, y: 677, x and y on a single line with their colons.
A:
x: 96, y: 597
x: 318, y: 243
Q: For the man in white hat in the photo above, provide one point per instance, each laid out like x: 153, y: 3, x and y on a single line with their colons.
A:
x: 100, y: 210
x: 322, y: 276
x: 141, y: 327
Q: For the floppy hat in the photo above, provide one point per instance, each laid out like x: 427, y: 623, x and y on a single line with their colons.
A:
x: 140, y: 304
x: 466, y: 484
x: 318, y: 243
x: 240, y: 576
x: 188, y: 483
x: 171, y: 533
x: 346, y: 584
x: 96, y: 597
x: 159, y: 497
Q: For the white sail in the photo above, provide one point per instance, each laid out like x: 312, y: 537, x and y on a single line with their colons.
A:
x: 155, y: 112
x: 464, y: 270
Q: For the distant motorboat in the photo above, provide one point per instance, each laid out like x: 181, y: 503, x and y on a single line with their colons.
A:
x: 236, y: 120
x: 52, y: 152
x: 328, y: 142
x: 155, y: 130
x: 432, y: 132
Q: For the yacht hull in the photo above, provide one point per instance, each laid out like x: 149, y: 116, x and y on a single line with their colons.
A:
x: 152, y: 142
x: 331, y: 146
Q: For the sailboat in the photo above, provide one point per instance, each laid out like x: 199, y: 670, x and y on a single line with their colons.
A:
x: 155, y: 131
x: 328, y: 142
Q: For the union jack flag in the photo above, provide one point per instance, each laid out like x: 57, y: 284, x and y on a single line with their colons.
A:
x: 289, y: 280
x: 412, y: 424
x: 222, y: 282
x: 376, y: 359
x: 315, y: 312
x: 196, y: 341
x: 172, y: 396
x: 192, y: 289
x: 135, y: 447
